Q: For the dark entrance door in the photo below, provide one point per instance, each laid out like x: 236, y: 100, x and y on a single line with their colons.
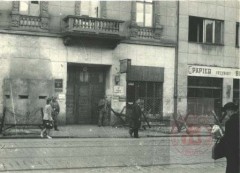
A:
x: 85, y: 87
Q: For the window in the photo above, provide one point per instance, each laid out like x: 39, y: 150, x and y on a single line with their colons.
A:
x: 237, y: 35
x: 149, y: 92
x: 84, y: 76
x: 205, y: 30
x: 90, y: 8
x: 144, y: 10
x: 204, y: 95
x: 31, y: 8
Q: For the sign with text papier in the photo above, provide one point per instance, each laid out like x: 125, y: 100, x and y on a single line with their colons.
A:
x: 219, y: 72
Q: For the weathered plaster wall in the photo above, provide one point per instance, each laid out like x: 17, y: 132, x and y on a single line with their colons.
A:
x: 35, y: 57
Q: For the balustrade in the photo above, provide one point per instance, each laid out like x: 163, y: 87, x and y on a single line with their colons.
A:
x: 81, y: 23
x: 30, y: 21
x: 144, y: 32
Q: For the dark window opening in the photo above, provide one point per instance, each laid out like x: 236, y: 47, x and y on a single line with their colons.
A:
x: 34, y: 2
x: 149, y: 92
x: 195, y: 33
x: 23, y: 96
x: 42, y: 97
x: 7, y: 96
x: 205, y: 30
x: 204, y: 95
x: 237, y: 35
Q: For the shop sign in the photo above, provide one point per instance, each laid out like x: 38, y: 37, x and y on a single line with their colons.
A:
x: 58, y: 83
x: 219, y: 72
x: 118, y: 90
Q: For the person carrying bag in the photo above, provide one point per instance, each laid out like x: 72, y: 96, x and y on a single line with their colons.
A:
x: 227, y: 143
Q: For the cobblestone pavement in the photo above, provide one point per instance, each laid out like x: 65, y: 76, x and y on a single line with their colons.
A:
x: 108, y: 155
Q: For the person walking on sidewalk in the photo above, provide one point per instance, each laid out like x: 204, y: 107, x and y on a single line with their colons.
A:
x: 47, y: 119
x: 103, y: 108
x: 135, y: 119
x: 55, y: 112
x: 230, y: 140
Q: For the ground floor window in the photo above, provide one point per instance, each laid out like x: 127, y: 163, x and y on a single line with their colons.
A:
x: 236, y: 91
x: 149, y: 92
x: 204, y: 95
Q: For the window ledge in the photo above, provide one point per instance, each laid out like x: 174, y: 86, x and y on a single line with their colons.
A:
x: 210, y: 44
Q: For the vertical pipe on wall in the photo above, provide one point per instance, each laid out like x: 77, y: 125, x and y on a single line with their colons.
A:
x: 176, y: 65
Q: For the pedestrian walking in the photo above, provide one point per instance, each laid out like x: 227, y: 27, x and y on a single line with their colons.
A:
x: 55, y: 112
x: 103, y: 107
x: 135, y: 119
x: 230, y: 139
x: 47, y: 119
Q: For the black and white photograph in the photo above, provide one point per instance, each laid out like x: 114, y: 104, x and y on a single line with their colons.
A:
x: 119, y: 86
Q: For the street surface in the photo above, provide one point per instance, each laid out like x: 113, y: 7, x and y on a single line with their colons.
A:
x: 163, y: 154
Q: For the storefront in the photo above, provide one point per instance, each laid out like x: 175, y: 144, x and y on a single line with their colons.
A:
x: 211, y: 87
x: 146, y: 83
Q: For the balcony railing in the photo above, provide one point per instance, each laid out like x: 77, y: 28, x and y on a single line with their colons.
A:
x: 33, y: 22
x: 90, y: 25
x: 145, y: 32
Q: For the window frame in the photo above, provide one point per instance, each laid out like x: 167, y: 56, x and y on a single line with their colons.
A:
x: 201, y: 33
x: 97, y: 14
x: 29, y: 6
x: 145, y: 2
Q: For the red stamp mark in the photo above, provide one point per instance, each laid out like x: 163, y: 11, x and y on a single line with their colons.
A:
x: 193, y: 135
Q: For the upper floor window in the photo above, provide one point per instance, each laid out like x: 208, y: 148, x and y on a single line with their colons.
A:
x: 31, y: 8
x: 90, y: 8
x: 237, y: 35
x: 205, y: 30
x: 144, y: 12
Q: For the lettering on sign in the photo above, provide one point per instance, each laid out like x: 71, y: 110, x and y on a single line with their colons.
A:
x: 118, y: 90
x: 197, y: 70
x: 213, y: 72
x: 58, y: 85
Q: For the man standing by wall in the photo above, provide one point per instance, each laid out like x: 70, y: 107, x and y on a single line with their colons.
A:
x: 103, y: 107
x: 55, y: 112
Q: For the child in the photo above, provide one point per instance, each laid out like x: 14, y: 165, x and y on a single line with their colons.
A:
x: 47, y: 119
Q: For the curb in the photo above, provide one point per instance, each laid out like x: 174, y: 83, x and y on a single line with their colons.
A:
x: 60, y: 137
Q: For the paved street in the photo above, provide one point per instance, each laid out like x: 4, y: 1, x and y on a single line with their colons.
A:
x: 164, y: 154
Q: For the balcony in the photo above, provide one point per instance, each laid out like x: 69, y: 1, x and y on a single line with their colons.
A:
x: 145, y: 33
x: 29, y: 23
x: 93, y: 27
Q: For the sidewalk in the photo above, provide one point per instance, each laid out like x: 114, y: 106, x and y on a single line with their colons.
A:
x: 93, y: 131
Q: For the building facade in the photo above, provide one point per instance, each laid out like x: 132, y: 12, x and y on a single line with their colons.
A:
x: 83, y: 50
x: 177, y: 56
x: 208, y: 55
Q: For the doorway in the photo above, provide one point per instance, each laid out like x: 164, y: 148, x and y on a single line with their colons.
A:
x: 85, y: 87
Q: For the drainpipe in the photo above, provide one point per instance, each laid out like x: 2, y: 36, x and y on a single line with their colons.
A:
x: 176, y: 65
